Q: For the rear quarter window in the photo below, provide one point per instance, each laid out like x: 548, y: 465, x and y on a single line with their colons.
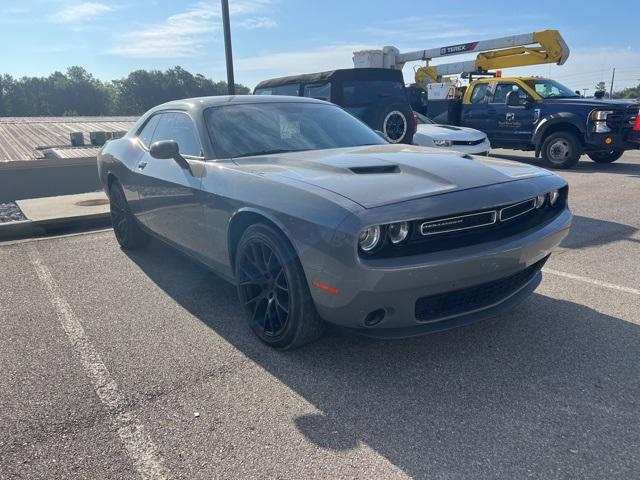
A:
x: 364, y: 92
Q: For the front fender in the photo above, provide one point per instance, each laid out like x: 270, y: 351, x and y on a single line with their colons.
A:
x: 555, y: 119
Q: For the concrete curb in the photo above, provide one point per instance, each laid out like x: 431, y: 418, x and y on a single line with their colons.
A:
x: 27, y: 228
x: 55, y: 215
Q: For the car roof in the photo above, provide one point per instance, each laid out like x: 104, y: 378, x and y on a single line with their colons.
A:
x: 507, y: 79
x: 344, y: 74
x: 202, y: 103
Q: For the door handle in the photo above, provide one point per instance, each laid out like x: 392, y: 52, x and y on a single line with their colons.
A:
x: 141, y: 165
x: 491, y: 111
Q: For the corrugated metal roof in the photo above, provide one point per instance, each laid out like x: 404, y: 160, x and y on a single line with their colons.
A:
x: 23, y: 138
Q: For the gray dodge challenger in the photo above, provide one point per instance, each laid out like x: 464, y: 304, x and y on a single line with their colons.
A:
x: 320, y: 221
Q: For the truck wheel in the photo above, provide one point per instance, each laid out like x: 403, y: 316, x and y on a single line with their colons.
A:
x: 606, y: 157
x: 561, y: 150
x: 394, y: 119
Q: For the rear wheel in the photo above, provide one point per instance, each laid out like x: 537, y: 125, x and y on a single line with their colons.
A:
x: 561, y: 150
x: 273, y: 290
x: 606, y: 157
x: 128, y: 233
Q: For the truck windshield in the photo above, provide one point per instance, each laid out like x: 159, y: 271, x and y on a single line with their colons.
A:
x: 262, y: 128
x: 550, y: 88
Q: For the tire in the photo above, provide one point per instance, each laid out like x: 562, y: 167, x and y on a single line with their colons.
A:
x: 125, y: 227
x: 606, y: 157
x: 394, y: 119
x: 561, y: 150
x: 273, y: 290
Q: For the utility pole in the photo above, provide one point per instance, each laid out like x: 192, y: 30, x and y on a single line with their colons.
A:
x: 231, y: 84
x: 613, y: 76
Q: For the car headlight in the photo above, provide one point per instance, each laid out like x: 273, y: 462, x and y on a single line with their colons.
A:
x: 600, y: 115
x: 442, y: 143
x: 600, y: 120
x: 369, y: 238
x: 540, y: 199
x: 554, y: 196
x: 398, y: 232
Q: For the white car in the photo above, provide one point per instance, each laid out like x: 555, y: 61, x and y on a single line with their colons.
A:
x: 462, y: 139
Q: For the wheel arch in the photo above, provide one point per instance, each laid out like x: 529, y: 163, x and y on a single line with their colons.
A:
x: 557, y: 123
x: 243, y: 219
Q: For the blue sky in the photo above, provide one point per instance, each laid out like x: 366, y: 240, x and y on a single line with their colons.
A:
x: 279, y: 37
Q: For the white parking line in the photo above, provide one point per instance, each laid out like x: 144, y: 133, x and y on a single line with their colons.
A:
x: 592, y: 281
x: 136, y: 441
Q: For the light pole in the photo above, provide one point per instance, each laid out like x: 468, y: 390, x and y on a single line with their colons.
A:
x: 231, y: 84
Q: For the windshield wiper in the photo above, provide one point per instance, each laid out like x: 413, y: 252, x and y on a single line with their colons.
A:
x: 266, y: 152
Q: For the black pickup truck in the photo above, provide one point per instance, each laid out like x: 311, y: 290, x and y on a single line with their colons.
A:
x: 545, y: 116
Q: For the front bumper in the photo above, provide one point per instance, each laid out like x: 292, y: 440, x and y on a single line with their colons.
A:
x: 395, y: 285
x: 629, y: 140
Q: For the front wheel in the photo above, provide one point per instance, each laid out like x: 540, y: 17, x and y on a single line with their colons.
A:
x: 273, y: 290
x: 561, y: 150
x: 606, y: 157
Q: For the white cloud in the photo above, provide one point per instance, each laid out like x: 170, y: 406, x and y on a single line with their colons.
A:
x: 184, y: 34
x: 80, y: 12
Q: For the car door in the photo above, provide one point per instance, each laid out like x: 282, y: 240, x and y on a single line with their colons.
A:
x: 475, y: 114
x: 512, y: 124
x: 170, y: 201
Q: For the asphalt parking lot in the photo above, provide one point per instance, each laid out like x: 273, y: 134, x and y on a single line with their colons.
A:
x: 137, y: 365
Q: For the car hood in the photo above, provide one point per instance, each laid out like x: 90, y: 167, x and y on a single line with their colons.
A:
x: 378, y: 175
x: 592, y: 102
x: 450, y: 132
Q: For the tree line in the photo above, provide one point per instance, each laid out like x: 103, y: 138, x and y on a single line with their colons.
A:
x: 77, y: 92
x: 631, y: 92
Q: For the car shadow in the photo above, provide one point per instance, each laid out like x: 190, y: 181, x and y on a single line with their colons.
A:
x: 592, y: 232
x: 585, y: 165
x: 550, y: 390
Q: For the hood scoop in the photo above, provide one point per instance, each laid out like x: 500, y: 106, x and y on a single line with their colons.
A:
x: 371, y: 169
x: 449, y: 127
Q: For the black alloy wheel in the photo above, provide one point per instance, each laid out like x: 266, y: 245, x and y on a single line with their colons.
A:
x: 264, y: 286
x: 127, y: 231
x: 273, y: 289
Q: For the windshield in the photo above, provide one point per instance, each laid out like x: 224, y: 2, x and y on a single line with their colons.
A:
x: 550, y: 88
x: 422, y: 120
x: 261, y: 128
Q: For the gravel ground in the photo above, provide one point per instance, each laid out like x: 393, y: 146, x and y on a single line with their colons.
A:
x: 10, y: 212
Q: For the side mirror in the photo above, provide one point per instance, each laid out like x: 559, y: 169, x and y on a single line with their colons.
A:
x: 168, y: 149
x: 164, y: 149
x: 513, y: 99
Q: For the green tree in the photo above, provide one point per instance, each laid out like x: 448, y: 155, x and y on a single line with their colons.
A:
x: 77, y: 92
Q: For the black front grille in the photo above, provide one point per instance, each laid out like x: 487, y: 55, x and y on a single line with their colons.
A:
x: 623, y: 119
x: 468, y: 142
x: 472, y: 228
x: 457, y: 302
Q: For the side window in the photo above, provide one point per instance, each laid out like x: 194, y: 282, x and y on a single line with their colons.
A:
x: 479, y: 94
x: 321, y: 91
x: 503, y: 89
x: 179, y: 127
x: 264, y: 91
x: 292, y: 89
x: 146, y: 134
